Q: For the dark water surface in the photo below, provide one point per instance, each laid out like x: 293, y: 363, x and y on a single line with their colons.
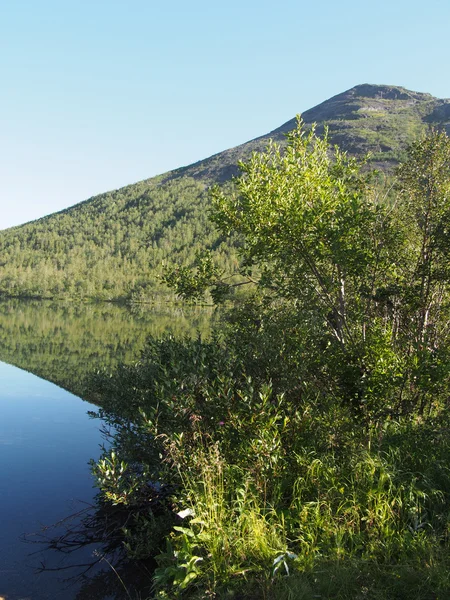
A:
x: 46, y: 436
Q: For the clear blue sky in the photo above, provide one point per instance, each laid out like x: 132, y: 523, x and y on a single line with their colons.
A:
x: 96, y: 94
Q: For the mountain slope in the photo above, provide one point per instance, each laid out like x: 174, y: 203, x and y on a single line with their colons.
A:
x: 379, y: 119
x: 113, y: 246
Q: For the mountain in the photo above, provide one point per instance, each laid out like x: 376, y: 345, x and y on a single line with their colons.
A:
x: 380, y: 119
x: 113, y: 246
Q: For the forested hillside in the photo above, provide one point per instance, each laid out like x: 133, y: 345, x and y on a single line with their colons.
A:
x: 111, y: 247
x: 114, y: 246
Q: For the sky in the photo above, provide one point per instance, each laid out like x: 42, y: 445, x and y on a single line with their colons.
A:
x: 98, y: 94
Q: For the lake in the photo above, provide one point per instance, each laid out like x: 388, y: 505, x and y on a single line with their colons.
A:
x: 48, y: 353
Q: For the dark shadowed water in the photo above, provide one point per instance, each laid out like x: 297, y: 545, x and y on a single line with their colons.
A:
x: 47, y: 437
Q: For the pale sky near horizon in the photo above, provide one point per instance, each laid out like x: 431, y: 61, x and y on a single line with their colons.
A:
x: 97, y: 94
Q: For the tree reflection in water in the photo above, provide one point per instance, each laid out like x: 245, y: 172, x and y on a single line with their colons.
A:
x: 89, y: 546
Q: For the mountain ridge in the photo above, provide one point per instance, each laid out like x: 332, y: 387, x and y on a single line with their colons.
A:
x: 344, y: 106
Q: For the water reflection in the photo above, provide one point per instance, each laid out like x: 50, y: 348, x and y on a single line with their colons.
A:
x: 89, y: 549
x: 47, y: 439
x: 65, y: 343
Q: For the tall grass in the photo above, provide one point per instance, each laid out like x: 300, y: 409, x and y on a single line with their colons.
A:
x: 357, y: 520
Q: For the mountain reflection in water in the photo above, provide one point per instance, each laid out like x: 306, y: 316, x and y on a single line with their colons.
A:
x: 65, y: 343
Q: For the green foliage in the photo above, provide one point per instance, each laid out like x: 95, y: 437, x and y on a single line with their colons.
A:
x: 311, y: 430
x: 193, y: 285
x: 254, y: 477
x: 365, y: 275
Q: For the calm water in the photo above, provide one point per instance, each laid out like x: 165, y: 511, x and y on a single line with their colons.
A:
x: 46, y: 440
x: 46, y: 436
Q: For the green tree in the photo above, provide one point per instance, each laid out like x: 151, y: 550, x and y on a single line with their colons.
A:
x: 365, y: 272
